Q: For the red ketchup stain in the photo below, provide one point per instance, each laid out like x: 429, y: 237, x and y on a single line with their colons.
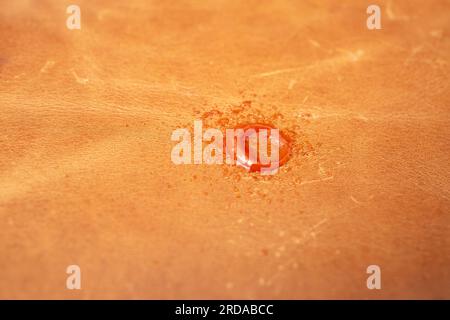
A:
x: 284, y: 143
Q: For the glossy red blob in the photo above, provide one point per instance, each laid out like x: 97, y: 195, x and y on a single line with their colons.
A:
x: 283, y: 142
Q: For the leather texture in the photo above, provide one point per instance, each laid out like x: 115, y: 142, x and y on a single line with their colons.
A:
x: 86, y: 176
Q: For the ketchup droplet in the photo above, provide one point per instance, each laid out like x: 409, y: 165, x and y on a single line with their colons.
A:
x: 283, y: 142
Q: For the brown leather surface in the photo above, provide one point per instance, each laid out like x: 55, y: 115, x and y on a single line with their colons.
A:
x: 86, y: 176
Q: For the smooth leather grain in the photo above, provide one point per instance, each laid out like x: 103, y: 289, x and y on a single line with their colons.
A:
x: 86, y: 176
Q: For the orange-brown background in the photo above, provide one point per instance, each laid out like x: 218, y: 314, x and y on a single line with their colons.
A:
x: 85, y: 170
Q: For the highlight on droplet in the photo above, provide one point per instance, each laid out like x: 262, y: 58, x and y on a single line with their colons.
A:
x: 263, y: 148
